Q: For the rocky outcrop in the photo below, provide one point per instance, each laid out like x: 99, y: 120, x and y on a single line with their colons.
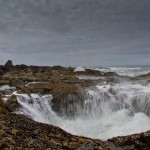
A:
x: 8, y: 65
x: 91, y: 72
x: 134, y: 142
x: 19, y: 132
x: 143, y: 77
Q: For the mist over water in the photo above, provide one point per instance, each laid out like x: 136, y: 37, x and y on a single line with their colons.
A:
x: 107, y: 110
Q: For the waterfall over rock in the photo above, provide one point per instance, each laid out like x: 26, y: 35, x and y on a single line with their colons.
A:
x: 103, y: 111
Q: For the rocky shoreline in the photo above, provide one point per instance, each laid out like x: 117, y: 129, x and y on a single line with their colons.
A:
x: 19, y: 132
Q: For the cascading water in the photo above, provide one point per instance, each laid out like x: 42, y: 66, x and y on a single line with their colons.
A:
x: 105, y: 111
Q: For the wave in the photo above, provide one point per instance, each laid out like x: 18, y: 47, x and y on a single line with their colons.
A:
x: 126, y: 71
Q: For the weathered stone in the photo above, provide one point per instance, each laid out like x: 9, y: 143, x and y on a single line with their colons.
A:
x: 30, y: 134
x: 8, y: 65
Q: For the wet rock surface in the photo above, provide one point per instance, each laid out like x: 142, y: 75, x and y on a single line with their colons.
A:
x: 133, y: 142
x: 19, y: 132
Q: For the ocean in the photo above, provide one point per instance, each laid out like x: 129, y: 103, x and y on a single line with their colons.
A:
x: 131, y: 71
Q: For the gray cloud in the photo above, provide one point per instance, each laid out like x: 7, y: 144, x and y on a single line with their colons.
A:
x: 75, y: 32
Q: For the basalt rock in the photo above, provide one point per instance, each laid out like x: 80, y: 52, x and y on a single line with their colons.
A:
x: 8, y: 65
x: 134, y: 142
x: 19, y: 132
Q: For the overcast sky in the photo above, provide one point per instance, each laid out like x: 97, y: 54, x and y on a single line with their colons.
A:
x: 75, y: 32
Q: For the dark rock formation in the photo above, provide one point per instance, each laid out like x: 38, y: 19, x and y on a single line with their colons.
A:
x: 19, y: 132
x: 134, y: 142
x: 91, y: 72
x: 22, y: 66
x: 8, y: 64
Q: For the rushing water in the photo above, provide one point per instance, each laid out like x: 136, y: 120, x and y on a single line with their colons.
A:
x: 126, y: 71
x: 107, y: 110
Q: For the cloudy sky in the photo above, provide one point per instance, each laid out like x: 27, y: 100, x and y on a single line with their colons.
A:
x: 75, y: 32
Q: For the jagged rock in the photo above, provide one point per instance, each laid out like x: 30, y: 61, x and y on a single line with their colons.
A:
x: 8, y: 64
x: 32, y: 135
x: 133, y: 142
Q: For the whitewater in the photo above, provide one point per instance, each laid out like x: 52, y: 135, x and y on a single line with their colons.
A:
x: 107, y: 110
x: 125, y: 71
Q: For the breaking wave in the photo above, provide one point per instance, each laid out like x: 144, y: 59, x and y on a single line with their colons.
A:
x: 126, y: 71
